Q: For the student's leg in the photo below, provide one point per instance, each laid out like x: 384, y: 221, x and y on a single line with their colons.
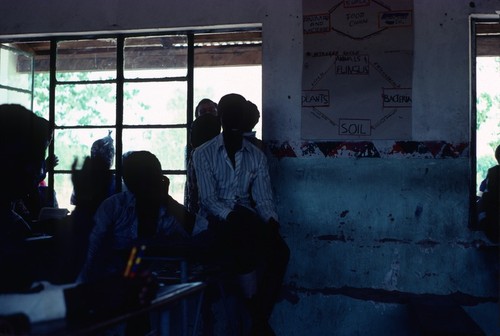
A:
x: 272, y: 273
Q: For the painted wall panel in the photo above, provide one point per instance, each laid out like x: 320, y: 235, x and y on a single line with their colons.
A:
x: 357, y: 230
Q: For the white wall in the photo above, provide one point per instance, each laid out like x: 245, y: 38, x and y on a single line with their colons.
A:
x: 441, y: 68
x: 441, y: 72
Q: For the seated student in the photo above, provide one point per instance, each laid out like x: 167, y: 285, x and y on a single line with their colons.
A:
x: 249, y: 118
x: 90, y: 188
x: 92, y: 184
x: 489, y: 202
x: 143, y: 212
x: 235, y: 195
x: 24, y: 138
x: 205, y: 106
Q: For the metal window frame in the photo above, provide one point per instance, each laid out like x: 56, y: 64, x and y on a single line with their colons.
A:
x: 120, y: 80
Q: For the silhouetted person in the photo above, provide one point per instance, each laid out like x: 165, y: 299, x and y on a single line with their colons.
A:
x: 91, y: 186
x: 205, y: 106
x: 24, y: 138
x: 249, y: 118
x: 143, y: 212
x: 235, y: 195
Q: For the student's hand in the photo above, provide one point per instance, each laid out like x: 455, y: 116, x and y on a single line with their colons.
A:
x: 51, y: 161
x: 243, y: 222
x: 241, y: 216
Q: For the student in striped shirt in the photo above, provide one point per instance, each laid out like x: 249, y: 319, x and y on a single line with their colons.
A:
x: 235, y: 196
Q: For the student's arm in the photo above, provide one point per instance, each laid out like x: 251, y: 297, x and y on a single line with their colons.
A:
x: 262, y: 192
x: 185, y: 218
x: 103, y: 222
x: 182, y: 215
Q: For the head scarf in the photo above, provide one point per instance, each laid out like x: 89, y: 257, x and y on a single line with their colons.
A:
x: 104, y: 149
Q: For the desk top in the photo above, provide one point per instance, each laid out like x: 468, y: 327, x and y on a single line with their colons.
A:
x: 166, y: 297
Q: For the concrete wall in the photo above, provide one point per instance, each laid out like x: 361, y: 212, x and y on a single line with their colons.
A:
x: 370, y: 225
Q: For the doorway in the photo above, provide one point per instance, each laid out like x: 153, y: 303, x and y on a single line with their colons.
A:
x: 485, y: 100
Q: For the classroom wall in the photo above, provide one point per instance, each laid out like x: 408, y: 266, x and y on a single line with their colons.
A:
x: 371, y: 225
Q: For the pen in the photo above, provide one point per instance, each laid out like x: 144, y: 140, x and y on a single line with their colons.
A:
x: 130, y: 262
x: 137, y: 261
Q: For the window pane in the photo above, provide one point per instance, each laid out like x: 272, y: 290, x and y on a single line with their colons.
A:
x: 169, y: 145
x: 15, y: 76
x: 41, y: 94
x: 85, y: 104
x: 176, y: 188
x: 15, y: 68
x: 215, y: 82
x: 75, y: 143
x: 167, y: 55
x: 63, y: 188
x: 97, y: 56
x: 15, y: 97
x: 155, y: 103
x: 488, y: 114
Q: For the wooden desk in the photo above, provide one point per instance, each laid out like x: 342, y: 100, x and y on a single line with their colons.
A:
x: 166, y: 298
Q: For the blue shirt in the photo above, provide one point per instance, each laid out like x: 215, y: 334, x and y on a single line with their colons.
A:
x: 115, y: 230
x: 222, y: 186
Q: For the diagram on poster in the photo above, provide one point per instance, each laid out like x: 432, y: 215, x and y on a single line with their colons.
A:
x: 357, y: 71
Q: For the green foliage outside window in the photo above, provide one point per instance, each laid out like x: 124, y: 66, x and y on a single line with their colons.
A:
x: 487, y: 115
x: 95, y: 105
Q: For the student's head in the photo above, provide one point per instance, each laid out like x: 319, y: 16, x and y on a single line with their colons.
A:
x: 204, y: 128
x: 250, y: 116
x: 103, y: 149
x: 497, y: 154
x: 142, y: 174
x: 231, y: 108
x: 205, y: 106
x: 24, y: 138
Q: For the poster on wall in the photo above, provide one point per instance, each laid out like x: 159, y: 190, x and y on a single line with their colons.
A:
x: 357, y: 70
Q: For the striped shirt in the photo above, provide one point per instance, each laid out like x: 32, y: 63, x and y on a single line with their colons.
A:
x: 222, y: 186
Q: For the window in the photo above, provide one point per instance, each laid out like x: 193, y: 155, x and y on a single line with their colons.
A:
x: 16, y: 86
x: 485, y: 98
x: 141, y: 89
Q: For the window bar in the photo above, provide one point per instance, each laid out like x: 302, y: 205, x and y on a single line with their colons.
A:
x: 12, y: 88
x: 119, y: 111
x: 52, y: 112
x: 472, y: 124
x: 190, y: 93
x: 32, y: 93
